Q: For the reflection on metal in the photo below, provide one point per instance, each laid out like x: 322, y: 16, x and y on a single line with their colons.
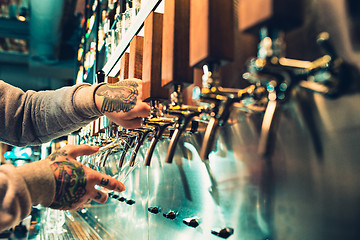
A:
x: 159, y: 125
x: 291, y: 195
x: 303, y: 187
x: 184, y: 115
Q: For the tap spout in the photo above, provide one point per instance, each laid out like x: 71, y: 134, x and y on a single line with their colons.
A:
x: 129, y: 141
x: 140, y: 138
x: 220, y: 113
x: 159, y: 125
x: 185, y: 114
x: 268, y: 128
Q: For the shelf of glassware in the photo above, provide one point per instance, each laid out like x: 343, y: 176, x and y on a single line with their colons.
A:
x: 147, y: 6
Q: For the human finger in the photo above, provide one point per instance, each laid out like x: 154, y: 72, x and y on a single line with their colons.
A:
x: 80, y: 150
x: 103, y: 180
x: 130, y: 124
x: 99, y: 196
x: 140, y: 110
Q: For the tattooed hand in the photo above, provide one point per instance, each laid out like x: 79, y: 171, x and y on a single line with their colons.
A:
x: 121, y: 102
x: 75, y: 182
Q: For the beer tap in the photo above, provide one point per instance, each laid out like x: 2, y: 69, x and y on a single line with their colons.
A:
x: 129, y: 140
x: 267, y: 71
x: 184, y: 114
x: 176, y: 72
x: 153, y: 92
x: 141, y: 135
x: 211, y: 47
x: 221, y: 101
x: 278, y: 74
x: 324, y: 74
x: 159, y: 124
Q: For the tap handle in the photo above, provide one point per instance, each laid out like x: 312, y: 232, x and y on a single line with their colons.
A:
x: 124, y: 67
x: 152, y: 58
x: 175, y: 68
x: 136, y: 57
x: 211, y: 32
x: 281, y: 14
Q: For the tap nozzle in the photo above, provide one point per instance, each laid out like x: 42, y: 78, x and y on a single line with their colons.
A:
x: 159, y: 126
x: 141, y: 135
x: 129, y: 141
x: 184, y: 115
x: 222, y: 100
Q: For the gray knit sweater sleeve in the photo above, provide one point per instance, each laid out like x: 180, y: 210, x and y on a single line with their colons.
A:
x: 32, y: 118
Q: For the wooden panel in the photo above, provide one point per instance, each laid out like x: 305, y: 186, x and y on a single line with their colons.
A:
x: 124, y: 67
x: 175, y: 55
x: 152, y: 58
x: 112, y: 79
x: 211, y: 32
x: 281, y: 14
x: 136, y: 57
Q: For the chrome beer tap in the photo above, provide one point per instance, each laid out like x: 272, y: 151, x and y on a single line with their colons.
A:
x: 221, y: 101
x: 152, y: 90
x: 141, y: 135
x: 266, y: 70
x: 184, y: 114
x: 129, y: 140
x: 329, y: 74
x: 159, y: 124
x: 279, y: 75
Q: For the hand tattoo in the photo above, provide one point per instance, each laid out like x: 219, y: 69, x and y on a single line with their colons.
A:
x: 121, y: 96
x: 104, y: 182
x: 59, y: 153
x: 70, y: 183
x: 98, y: 196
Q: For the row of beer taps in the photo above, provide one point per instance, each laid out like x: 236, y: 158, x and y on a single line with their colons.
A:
x: 271, y: 79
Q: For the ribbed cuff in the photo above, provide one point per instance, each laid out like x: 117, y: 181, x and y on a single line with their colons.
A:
x: 40, y: 181
x: 84, y: 102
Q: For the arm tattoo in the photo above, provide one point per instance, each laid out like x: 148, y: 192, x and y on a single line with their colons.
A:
x: 121, y: 96
x: 60, y: 153
x: 70, y: 183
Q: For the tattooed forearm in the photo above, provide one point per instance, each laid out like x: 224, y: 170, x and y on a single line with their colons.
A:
x: 121, y: 96
x: 70, y: 183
